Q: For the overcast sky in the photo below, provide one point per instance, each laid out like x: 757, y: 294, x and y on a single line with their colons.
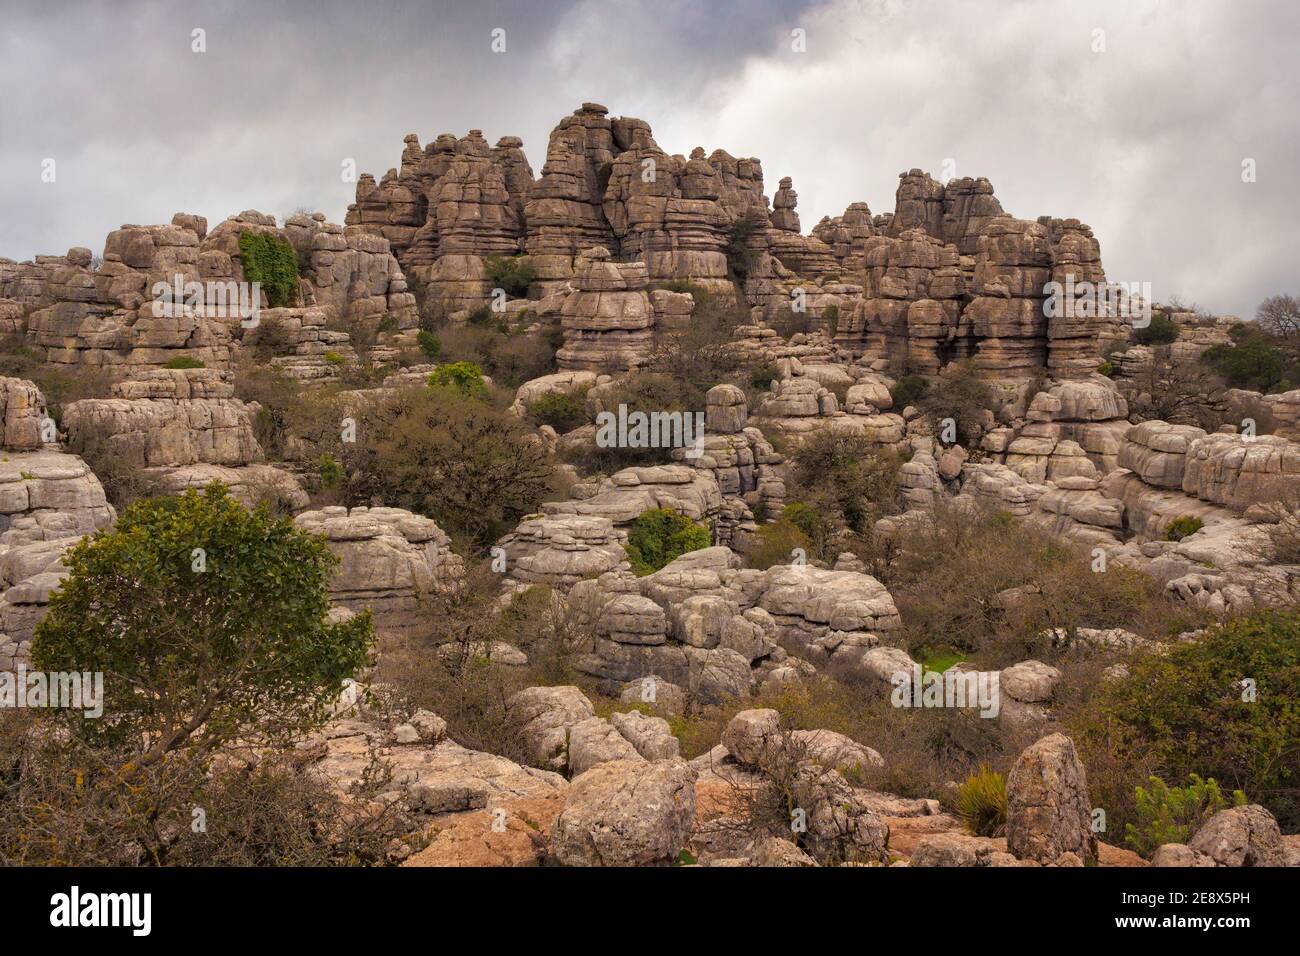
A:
x: 1144, y: 141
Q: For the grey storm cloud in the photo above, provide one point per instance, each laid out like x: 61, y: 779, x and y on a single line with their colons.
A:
x: 1144, y: 140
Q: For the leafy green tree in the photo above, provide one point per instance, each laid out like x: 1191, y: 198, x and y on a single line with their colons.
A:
x: 659, y: 535
x: 563, y: 411
x: 514, y: 274
x: 209, y: 622
x: 907, y: 390
x: 1160, y: 331
x: 847, y: 478
x: 429, y: 344
x: 1252, y: 362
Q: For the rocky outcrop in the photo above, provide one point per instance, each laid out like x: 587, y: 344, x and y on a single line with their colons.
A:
x: 164, y: 433
x: 390, y: 561
x: 561, y: 549
x: 626, y: 494
x: 1049, y: 814
x: 626, y: 813
x: 1241, y: 836
x: 608, y: 323
x: 1237, y: 471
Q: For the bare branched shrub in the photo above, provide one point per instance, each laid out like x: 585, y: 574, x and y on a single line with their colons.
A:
x: 457, y: 669
x: 950, y: 570
x: 68, y: 803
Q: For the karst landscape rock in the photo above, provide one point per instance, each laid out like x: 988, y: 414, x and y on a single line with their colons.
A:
x: 691, y: 533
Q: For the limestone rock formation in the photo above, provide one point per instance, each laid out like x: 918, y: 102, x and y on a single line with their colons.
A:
x: 389, y: 560
x: 626, y: 813
x: 1049, y: 814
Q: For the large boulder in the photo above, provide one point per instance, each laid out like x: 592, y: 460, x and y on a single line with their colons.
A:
x: 626, y: 813
x: 1048, y: 810
x: 1241, y: 836
x: 545, y: 717
x: 390, y: 560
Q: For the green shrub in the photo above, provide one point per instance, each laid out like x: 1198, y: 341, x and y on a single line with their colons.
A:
x: 1172, y: 814
x: 270, y: 261
x: 334, y: 358
x: 774, y: 544
x: 331, y: 472
x: 1161, y: 331
x: 981, y: 803
x: 1182, y: 526
x: 763, y: 376
x: 907, y: 390
x: 787, y: 322
x: 659, y: 535
x: 429, y: 344
x: 1187, y: 711
x: 847, y: 477
x: 474, y: 469
x: 184, y: 361
x: 812, y: 522
x: 481, y: 316
x: 514, y: 274
x: 210, y: 623
x: 1253, y: 362
x: 740, y: 258
x: 1107, y: 369
x: 563, y: 411
x: 947, y: 574
x: 465, y: 377
x: 962, y: 395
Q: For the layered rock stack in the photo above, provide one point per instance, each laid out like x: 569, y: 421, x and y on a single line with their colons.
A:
x: 910, y: 311
x: 707, y: 626
x: 112, y: 317
x: 608, y: 323
x: 48, y: 501
x: 564, y: 215
x: 847, y: 236
x: 1012, y: 267
x: 665, y: 211
x: 390, y: 562
x: 184, y: 429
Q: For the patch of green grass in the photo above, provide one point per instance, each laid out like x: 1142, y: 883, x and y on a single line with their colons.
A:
x: 939, y: 659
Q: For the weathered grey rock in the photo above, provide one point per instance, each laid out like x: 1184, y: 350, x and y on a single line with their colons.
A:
x: 1179, y: 854
x: 651, y: 736
x: 47, y: 495
x: 1049, y: 813
x: 653, y: 690
x: 23, y: 418
x: 775, y: 852
x: 389, y: 560
x: 626, y: 813
x: 594, y: 741
x: 545, y: 717
x: 960, y: 849
x: 1030, y: 682
x: 752, y: 735
x: 1241, y: 836
x: 1156, y: 452
x: 562, y: 549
